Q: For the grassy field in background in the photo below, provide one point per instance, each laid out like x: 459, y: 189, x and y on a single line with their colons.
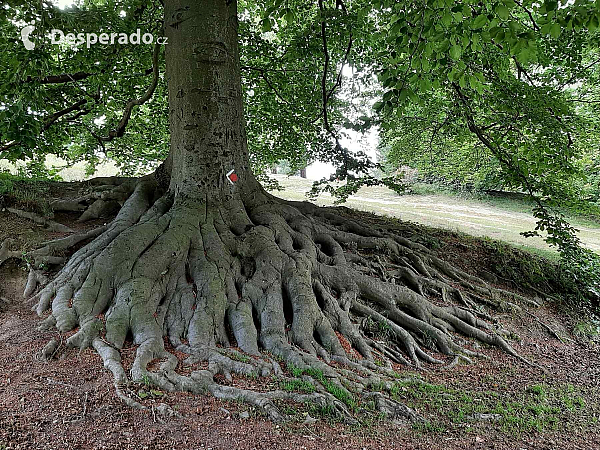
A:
x: 75, y: 172
x: 495, y: 218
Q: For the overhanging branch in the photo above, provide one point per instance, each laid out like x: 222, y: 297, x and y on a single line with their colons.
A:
x: 120, y: 130
x: 496, y: 151
x: 63, y: 78
x: 51, y: 120
x: 325, y: 93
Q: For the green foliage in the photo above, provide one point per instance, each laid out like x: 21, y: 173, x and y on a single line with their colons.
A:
x: 524, y: 132
x: 494, y: 105
x: 7, y: 184
x: 116, y: 74
x: 589, y: 328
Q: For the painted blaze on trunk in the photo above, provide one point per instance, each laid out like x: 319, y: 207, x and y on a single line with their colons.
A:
x: 208, y: 139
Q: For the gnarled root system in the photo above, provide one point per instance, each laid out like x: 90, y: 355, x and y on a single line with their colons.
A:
x: 254, y: 283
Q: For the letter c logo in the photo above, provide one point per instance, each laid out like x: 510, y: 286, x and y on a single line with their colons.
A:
x: 25, y: 32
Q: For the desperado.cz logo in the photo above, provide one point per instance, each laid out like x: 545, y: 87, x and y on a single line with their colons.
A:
x: 25, y: 32
x: 89, y: 39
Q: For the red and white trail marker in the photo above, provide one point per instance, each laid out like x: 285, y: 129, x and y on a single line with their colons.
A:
x: 232, y: 177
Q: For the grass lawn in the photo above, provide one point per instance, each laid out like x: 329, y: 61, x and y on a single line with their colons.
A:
x: 492, y: 217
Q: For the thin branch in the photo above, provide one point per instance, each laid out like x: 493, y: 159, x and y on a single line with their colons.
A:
x: 120, y: 130
x: 63, y: 78
x: 338, y: 81
x: 325, y: 93
x: 574, y: 77
x: 271, y: 86
x: 95, y: 136
x: 504, y: 158
x: 581, y: 100
x: 262, y: 69
x: 57, y: 115
x: 77, y: 76
x: 50, y: 121
x: 533, y: 22
x: 76, y: 116
x: 8, y: 146
x: 325, y: 68
x: 434, y: 134
x: 522, y: 70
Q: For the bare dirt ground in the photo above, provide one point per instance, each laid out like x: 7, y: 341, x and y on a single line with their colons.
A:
x: 498, y: 403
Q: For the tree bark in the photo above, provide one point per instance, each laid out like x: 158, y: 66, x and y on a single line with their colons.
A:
x: 206, y: 121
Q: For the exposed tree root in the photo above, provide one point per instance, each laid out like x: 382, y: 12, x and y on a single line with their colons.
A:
x: 49, y: 224
x: 103, y: 198
x: 284, y: 282
x: 35, y: 278
x: 6, y: 253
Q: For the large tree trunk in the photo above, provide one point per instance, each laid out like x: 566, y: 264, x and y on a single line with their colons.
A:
x: 208, y: 139
x: 206, y: 264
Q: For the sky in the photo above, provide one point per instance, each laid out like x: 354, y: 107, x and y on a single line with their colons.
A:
x: 62, y: 3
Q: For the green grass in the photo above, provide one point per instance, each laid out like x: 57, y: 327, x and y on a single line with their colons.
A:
x: 427, y: 426
x: 536, y: 408
x: 588, y: 213
x: 238, y: 357
x: 538, y: 390
x: 300, y: 411
x: 24, y: 192
x: 296, y: 385
x: 326, y: 412
x: 341, y: 393
x: 497, y: 218
x: 68, y: 172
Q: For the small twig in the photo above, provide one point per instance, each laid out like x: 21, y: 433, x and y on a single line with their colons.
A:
x: 312, y: 432
x: 85, y: 406
x: 59, y: 383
